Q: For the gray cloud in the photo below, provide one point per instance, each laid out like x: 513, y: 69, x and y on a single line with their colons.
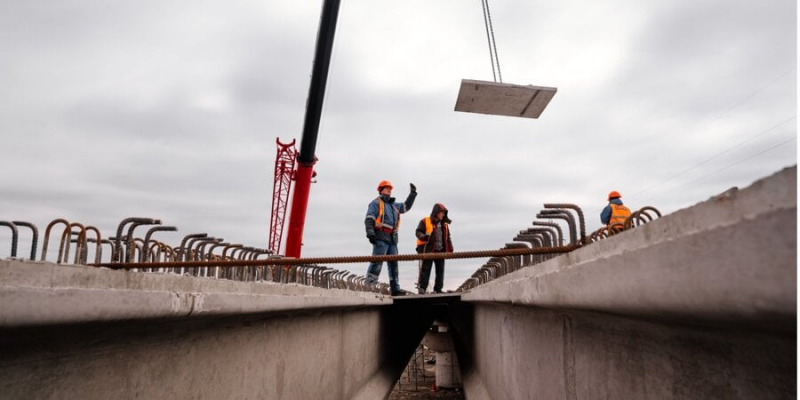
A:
x: 171, y: 110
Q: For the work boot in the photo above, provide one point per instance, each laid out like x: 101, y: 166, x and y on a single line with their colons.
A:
x: 421, y: 291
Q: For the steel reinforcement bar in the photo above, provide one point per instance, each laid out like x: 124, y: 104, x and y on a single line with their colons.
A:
x: 343, y: 260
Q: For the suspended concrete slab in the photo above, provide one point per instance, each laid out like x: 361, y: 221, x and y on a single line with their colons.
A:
x: 503, y: 98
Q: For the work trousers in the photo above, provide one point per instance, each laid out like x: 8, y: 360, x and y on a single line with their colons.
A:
x: 425, y: 275
x: 381, y: 248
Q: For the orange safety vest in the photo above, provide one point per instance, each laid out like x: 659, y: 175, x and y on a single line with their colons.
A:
x: 619, y: 214
x: 379, y: 221
x: 429, y: 230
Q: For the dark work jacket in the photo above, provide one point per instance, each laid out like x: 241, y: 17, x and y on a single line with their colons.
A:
x: 391, y: 214
x: 423, y: 236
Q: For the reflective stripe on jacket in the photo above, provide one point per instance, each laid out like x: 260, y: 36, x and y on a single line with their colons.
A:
x: 379, y: 220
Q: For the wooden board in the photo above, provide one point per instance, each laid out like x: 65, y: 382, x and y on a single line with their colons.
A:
x: 503, y: 98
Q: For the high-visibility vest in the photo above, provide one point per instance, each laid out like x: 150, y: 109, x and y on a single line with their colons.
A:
x: 429, y: 231
x: 619, y: 214
x: 379, y: 221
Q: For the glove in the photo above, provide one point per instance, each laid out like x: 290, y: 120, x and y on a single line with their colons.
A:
x: 413, y: 188
x: 371, y: 239
x: 425, y: 238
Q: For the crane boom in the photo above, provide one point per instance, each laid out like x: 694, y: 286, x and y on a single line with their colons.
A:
x: 308, y: 143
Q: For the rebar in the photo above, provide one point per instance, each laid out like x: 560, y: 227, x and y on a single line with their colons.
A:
x: 66, y: 239
x: 150, y: 233
x: 578, y: 211
x: 117, y: 253
x: 352, y: 259
x: 98, y: 252
x: 559, y: 238
x: 562, y: 214
x: 47, y: 235
x: 14, y: 236
x: 35, y: 237
x: 129, y: 257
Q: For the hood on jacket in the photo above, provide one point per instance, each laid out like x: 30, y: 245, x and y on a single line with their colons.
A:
x: 440, y: 207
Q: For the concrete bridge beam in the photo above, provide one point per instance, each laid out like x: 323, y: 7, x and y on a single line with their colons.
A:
x: 698, y: 304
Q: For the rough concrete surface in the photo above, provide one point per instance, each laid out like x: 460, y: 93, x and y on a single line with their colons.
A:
x: 42, y: 293
x: 698, y: 304
x: 84, y: 332
x: 730, y: 259
x: 527, y: 353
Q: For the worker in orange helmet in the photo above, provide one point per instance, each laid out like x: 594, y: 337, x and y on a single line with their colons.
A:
x: 382, y: 223
x: 615, y: 212
x: 433, y: 236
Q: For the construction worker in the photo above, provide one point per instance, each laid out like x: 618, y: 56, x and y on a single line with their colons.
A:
x: 615, y: 212
x: 382, y: 222
x: 433, y: 236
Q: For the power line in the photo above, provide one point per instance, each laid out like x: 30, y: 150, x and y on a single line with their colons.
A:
x: 736, y: 163
x: 713, y: 157
x: 751, y: 95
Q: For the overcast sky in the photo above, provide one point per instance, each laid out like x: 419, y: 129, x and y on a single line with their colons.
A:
x: 170, y: 110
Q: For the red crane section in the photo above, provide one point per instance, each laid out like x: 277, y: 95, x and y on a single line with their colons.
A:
x: 281, y: 186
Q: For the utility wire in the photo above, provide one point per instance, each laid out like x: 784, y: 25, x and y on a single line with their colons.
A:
x: 736, y: 163
x: 715, y: 156
x: 751, y: 95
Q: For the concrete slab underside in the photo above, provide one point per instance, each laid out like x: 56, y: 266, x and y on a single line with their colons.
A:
x: 494, y: 98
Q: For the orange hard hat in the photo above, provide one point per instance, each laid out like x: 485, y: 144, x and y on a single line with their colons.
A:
x: 384, y: 184
x: 614, y: 194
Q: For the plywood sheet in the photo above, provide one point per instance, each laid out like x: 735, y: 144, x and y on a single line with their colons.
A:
x: 494, y: 98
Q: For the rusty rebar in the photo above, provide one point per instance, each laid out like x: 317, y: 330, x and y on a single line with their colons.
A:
x: 182, y: 249
x: 350, y: 260
x: 150, y: 233
x: 117, y: 253
x: 47, y: 235
x: 66, y: 239
x: 645, y: 209
x: 129, y: 257
x: 189, y: 251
